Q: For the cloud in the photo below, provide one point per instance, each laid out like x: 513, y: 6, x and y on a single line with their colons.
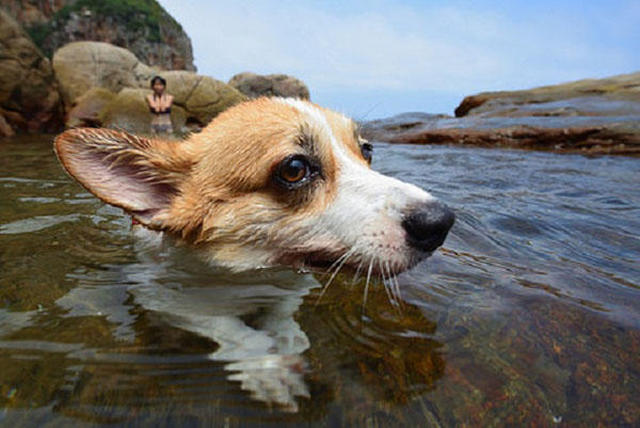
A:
x: 451, y: 47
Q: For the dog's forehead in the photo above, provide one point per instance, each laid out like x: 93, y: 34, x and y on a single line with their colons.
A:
x: 339, y: 130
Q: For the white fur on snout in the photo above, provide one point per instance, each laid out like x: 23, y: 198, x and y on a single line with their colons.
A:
x: 366, y: 215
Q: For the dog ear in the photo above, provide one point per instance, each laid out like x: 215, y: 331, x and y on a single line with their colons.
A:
x: 137, y: 174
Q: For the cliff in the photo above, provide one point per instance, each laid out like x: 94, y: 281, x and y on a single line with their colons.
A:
x: 141, y: 26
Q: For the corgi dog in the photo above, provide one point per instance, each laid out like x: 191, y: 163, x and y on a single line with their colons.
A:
x: 269, y: 182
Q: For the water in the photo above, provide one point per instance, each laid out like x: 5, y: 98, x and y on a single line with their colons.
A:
x: 530, y: 314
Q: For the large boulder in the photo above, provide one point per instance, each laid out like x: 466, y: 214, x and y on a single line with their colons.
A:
x: 92, y: 73
x: 29, y: 97
x: 129, y: 111
x: 197, y: 100
x: 202, y: 97
x: 81, y: 66
x: 280, y: 85
x: 88, y: 107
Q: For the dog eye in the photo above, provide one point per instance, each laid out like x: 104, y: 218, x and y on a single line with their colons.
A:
x: 294, y: 171
x: 367, y: 151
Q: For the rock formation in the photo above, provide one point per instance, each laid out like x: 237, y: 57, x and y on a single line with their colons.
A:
x: 29, y: 98
x: 81, y: 66
x: 32, y: 12
x: 255, y: 85
x: 611, y: 96
x: 105, y: 85
x: 594, y: 116
x: 88, y: 107
x: 141, y: 26
x: 203, y: 97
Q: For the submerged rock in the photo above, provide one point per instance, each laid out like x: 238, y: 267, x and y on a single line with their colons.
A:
x: 279, y: 85
x: 29, y: 98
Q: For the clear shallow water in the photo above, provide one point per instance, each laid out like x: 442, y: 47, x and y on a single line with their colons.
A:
x: 529, y: 314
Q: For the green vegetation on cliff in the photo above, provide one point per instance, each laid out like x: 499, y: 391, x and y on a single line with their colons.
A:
x: 133, y: 15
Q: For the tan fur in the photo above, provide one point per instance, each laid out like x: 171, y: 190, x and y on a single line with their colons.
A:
x: 233, y: 175
x: 218, y: 176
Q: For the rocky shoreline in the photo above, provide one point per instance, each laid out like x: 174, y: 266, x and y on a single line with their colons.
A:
x: 594, y: 116
x: 99, y: 84
x: 95, y: 83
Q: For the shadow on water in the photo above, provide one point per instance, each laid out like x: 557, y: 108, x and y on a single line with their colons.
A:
x: 528, y: 316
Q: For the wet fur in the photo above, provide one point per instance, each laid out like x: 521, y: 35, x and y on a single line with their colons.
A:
x: 215, y: 191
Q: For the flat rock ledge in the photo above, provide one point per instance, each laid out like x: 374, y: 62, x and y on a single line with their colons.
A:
x: 594, y: 117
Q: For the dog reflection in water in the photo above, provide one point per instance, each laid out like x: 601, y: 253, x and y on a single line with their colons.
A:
x: 263, y: 354
x: 270, y: 182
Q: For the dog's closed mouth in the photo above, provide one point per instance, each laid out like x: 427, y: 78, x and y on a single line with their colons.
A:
x: 316, y: 260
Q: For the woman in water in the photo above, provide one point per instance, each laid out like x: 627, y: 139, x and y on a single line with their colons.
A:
x: 160, y: 106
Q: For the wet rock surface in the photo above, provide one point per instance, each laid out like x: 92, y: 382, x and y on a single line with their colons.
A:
x: 589, y: 116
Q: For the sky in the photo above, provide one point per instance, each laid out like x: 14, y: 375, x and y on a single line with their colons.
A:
x: 377, y: 58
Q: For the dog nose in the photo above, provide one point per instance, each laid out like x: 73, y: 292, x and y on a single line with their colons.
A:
x: 427, y: 225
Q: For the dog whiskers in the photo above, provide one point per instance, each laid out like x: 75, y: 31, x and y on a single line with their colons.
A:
x: 340, y: 263
x: 356, y: 276
x: 337, y: 262
x: 385, y: 286
x: 394, y: 286
x: 366, y: 286
x: 398, y: 292
x: 389, y: 283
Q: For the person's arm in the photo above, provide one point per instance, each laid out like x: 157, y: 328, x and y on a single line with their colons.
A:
x: 153, y: 105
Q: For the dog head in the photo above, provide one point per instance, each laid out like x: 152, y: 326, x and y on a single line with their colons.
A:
x: 272, y: 181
